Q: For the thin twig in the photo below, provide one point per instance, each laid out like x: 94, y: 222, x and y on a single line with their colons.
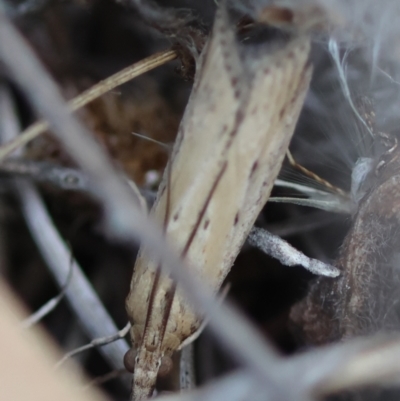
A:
x: 97, y: 342
x: 339, y: 367
x: 49, y: 306
x: 278, y: 248
x: 46, y: 172
x: 233, y: 387
x: 65, y: 178
x: 321, y: 372
x: 80, y: 294
x: 91, y: 94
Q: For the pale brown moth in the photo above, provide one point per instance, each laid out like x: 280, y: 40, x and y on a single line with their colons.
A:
x: 233, y: 137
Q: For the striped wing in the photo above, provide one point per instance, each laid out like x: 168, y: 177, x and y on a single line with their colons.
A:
x: 231, y: 143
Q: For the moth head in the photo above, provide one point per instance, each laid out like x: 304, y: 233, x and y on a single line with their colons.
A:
x: 145, y: 366
x: 148, y: 359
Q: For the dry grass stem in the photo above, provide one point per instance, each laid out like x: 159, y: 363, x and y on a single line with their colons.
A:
x: 48, y: 307
x: 121, y: 77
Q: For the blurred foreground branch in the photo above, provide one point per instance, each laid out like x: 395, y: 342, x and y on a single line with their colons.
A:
x: 83, y: 299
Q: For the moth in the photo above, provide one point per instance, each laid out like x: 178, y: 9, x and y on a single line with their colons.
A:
x: 231, y: 142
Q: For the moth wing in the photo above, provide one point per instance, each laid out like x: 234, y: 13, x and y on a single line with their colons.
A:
x: 279, y: 86
x: 195, y: 162
x: 253, y: 151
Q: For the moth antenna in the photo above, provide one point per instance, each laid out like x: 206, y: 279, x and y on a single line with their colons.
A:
x: 334, y: 51
x: 314, y: 176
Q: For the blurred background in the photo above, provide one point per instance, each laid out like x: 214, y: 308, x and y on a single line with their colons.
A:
x: 84, y: 41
